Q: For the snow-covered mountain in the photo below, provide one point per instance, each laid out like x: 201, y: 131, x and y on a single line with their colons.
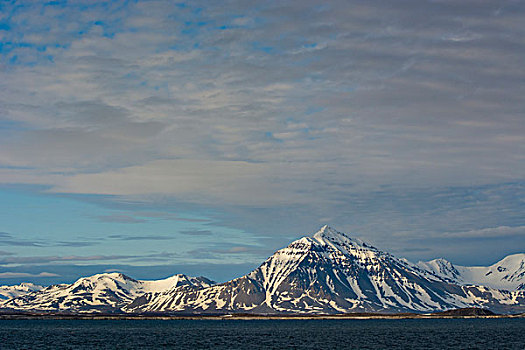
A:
x: 508, y: 273
x: 106, y: 292
x: 8, y: 292
x: 330, y: 272
x: 327, y: 272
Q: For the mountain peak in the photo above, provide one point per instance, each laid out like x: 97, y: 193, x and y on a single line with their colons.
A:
x: 513, y: 259
x: 116, y: 276
x: 328, y: 234
x: 442, y: 268
x: 327, y: 231
x: 327, y: 228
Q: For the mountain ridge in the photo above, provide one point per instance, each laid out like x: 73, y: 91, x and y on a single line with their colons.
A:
x: 507, y: 273
x: 9, y: 292
x: 105, y: 292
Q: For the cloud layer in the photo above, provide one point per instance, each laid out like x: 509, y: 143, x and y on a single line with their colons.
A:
x: 260, y: 103
x: 385, y: 118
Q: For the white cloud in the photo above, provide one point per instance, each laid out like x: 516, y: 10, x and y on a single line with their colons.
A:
x: 489, y: 232
x: 24, y: 274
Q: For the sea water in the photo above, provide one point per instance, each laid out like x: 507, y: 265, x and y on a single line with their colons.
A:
x: 264, y: 334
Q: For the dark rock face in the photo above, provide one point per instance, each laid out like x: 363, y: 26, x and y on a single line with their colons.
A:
x: 470, y: 311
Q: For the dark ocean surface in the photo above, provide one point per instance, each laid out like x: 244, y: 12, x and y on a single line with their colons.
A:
x: 264, y: 334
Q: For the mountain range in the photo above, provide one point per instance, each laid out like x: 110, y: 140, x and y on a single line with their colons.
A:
x: 8, y: 292
x: 508, y: 273
x: 107, y: 292
x: 324, y: 273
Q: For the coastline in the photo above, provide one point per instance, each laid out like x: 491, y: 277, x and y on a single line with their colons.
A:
x: 360, y: 316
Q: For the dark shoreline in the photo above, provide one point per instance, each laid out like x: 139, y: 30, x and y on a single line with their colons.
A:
x: 356, y: 316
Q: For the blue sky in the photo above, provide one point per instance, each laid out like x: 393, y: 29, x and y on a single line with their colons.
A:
x: 154, y: 137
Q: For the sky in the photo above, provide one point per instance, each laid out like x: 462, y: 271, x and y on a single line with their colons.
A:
x: 162, y: 137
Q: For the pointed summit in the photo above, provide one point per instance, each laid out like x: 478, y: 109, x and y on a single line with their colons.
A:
x: 325, y: 227
x: 330, y: 236
x: 326, y: 231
